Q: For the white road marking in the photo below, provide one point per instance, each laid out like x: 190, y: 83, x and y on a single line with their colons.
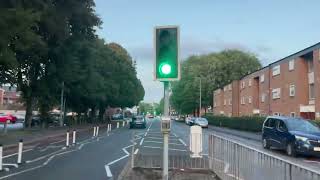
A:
x: 153, y: 138
x: 141, y: 141
x: 57, y: 142
x: 136, y: 151
x: 80, y: 147
x: 48, y: 160
x: 48, y: 147
x: 160, y: 142
x: 20, y: 172
x: 153, y: 147
x: 226, y: 168
x: 182, y: 142
x: 145, y: 134
x: 175, y: 134
x: 16, y: 153
x: 42, y: 157
x: 6, y: 169
x: 109, y: 174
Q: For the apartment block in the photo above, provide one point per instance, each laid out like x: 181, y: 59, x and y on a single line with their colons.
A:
x: 289, y: 86
x: 226, y: 100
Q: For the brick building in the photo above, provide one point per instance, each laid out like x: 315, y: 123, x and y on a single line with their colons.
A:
x: 289, y: 86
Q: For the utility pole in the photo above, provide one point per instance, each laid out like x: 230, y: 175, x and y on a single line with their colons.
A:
x: 61, y: 105
x: 165, y: 133
x: 200, y: 100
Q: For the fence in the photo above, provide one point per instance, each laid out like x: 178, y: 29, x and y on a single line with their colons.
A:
x: 232, y: 160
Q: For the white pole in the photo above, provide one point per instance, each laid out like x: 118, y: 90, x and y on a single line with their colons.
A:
x: 123, y: 124
x: 117, y: 125
x: 67, y: 140
x: 200, y: 100
x: 97, y: 133
x: 74, y: 137
x: 20, y: 151
x: 1, y: 150
x: 94, y: 131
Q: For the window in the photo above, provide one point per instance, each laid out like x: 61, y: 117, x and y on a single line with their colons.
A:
x: 291, y: 65
x: 276, y: 70
x: 243, y: 100
x: 270, y: 123
x: 230, y: 87
x: 230, y: 102
x: 276, y: 114
x: 276, y: 93
x: 311, y: 91
x: 310, y: 65
x: 282, y: 126
x: 225, y: 102
x: 215, y: 104
x: 293, y: 114
x: 249, y: 99
x: 263, y: 97
x: 243, y: 84
x: 262, y: 78
x: 292, y: 90
x: 250, y: 83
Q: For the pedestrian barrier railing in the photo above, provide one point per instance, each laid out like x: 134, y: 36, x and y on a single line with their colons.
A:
x: 232, y: 160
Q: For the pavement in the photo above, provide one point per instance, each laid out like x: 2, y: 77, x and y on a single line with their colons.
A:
x: 107, y: 155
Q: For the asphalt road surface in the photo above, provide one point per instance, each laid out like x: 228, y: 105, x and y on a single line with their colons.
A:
x: 105, y: 156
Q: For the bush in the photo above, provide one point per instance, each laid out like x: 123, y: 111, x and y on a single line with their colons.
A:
x: 250, y: 123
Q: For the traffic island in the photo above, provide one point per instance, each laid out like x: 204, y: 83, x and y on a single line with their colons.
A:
x: 138, y: 173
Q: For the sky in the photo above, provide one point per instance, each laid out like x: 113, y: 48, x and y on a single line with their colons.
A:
x: 270, y: 29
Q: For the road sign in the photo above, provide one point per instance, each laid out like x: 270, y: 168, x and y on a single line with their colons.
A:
x: 165, y: 124
x: 166, y: 45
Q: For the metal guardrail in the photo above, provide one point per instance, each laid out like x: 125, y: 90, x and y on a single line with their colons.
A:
x: 175, y: 162
x: 232, y: 160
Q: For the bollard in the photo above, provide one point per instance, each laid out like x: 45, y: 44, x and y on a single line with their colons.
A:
x: 97, y: 132
x: 20, y: 151
x: 117, y: 125
x: 67, y: 141
x: 94, y: 131
x: 1, y: 149
x: 123, y: 124
x: 74, y: 137
x: 110, y: 127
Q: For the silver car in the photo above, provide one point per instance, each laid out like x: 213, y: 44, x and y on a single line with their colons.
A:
x: 203, y: 122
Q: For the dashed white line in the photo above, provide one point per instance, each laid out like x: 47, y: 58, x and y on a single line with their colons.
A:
x: 160, y: 142
x: 58, y: 142
x: 20, y: 172
x: 141, y: 141
x: 153, y: 147
x: 136, y: 151
x: 182, y: 142
x: 42, y: 157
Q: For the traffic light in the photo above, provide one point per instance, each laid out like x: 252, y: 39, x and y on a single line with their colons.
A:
x: 166, y: 66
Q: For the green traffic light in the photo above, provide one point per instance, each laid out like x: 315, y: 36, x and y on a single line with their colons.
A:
x: 165, y: 69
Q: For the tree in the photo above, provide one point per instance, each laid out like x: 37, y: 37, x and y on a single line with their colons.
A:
x: 215, y: 70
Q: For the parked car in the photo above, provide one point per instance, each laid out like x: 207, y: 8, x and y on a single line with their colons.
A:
x: 294, y: 135
x: 181, y: 118
x: 138, y: 121
x: 117, y: 116
x: 203, y: 122
x: 190, y: 121
x: 7, y: 117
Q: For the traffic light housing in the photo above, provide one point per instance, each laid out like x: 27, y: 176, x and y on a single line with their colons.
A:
x: 166, y: 66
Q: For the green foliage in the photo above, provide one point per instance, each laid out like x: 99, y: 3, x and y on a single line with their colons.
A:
x: 46, y: 42
x: 215, y: 70
x: 251, y: 123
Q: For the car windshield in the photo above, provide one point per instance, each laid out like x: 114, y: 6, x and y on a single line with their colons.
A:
x: 202, y: 120
x: 302, y: 125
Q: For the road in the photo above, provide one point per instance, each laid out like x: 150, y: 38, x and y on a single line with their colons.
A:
x: 105, y: 156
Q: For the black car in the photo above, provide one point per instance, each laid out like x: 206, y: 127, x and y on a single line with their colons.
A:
x: 294, y: 135
x: 138, y: 121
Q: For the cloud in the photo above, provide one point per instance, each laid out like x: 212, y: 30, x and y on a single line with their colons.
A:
x: 192, y: 46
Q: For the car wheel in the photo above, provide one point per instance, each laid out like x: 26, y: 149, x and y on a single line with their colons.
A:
x: 265, y: 143
x: 290, y: 150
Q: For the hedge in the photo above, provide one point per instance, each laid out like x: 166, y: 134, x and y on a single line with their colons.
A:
x: 249, y: 123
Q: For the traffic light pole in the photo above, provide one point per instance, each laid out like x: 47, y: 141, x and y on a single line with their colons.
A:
x: 165, y: 134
